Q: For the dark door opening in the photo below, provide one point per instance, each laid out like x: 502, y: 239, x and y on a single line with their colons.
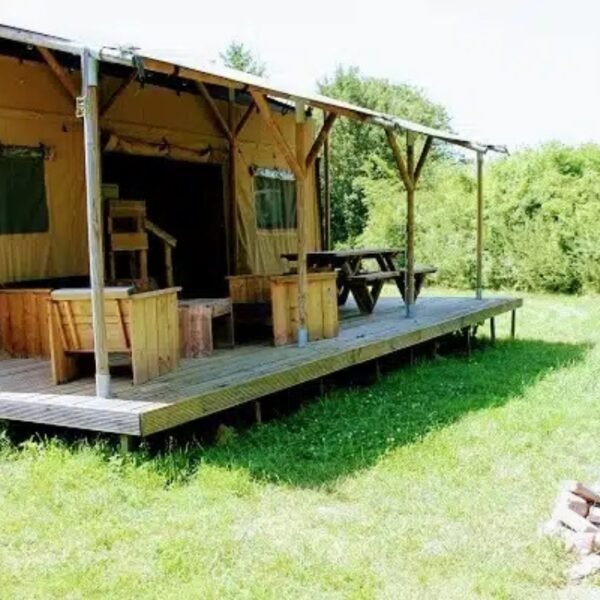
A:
x: 186, y: 200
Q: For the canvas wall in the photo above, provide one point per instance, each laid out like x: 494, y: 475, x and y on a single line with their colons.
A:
x: 35, y: 109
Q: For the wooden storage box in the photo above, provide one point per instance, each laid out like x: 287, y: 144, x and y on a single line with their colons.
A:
x: 143, y: 325
x: 24, y: 322
x: 321, y: 306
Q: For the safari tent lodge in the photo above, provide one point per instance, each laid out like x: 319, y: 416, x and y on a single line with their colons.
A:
x: 164, y: 240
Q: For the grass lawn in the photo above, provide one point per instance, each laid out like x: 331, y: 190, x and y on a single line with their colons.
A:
x: 428, y: 484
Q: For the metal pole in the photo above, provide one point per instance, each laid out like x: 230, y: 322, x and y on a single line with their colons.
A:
x: 301, y: 225
x: 410, y: 224
x: 479, y: 266
x: 89, y: 71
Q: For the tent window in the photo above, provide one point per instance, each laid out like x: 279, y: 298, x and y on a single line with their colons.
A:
x: 23, y: 207
x: 275, y: 200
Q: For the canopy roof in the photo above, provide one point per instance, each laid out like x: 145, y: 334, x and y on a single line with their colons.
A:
x: 190, y: 66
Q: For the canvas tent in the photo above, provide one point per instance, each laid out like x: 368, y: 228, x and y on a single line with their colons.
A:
x: 37, y: 115
x: 136, y: 102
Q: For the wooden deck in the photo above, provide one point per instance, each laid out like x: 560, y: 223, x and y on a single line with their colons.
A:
x: 231, y: 377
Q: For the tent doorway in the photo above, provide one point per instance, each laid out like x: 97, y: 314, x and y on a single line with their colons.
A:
x: 185, y: 199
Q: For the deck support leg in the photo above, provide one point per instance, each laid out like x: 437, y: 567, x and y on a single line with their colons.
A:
x: 258, y: 411
x: 493, y: 330
x: 126, y: 443
x: 377, y: 370
x: 513, y: 323
x: 321, y: 386
x: 411, y: 356
x: 467, y: 334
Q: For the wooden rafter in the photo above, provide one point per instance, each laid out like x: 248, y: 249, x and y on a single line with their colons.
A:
x: 215, y: 111
x: 266, y: 114
x: 118, y: 91
x: 422, y: 159
x: 320, y: 140
x: 407, y: 178
x: 59, y: 72
x: 244, y: 119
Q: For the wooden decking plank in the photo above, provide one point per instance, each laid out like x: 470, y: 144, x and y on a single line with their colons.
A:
x: 230, y: 377
x: 265, y: 382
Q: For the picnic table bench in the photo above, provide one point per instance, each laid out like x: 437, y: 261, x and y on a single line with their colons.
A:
x: 354, y: 278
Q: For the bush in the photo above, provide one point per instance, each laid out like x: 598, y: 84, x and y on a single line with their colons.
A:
x: 542, y: 207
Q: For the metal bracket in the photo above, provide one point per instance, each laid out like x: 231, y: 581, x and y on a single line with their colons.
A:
x: 80, y: 106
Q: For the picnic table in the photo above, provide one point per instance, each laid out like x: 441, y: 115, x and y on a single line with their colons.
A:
x: 354, y: 276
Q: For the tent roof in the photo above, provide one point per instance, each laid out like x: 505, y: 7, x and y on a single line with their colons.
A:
x: 189, y: 65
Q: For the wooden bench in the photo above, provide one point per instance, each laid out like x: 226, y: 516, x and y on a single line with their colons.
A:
x: 321, y: 307
x: 421, y: 272
x: 273, y: 300
x: 366, y: 286
x: 196, y: 324
x: 143, y: 326
x: 24, y: 322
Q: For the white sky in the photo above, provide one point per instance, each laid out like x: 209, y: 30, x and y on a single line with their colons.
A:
x: 509, y: 71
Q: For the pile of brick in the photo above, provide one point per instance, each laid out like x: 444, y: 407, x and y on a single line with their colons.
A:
x: 576, y: 519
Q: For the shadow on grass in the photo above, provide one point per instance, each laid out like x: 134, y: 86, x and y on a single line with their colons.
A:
x: 351, y: 429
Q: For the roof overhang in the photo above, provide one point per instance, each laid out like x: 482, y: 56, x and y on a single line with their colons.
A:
x: 191, y: 67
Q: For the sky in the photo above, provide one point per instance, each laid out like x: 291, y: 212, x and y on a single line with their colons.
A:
x: 518, y: 72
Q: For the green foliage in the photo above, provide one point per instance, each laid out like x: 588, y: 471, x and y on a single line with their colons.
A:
x: 354, y: 145
x: 237, y: 56
x: 542, y: 210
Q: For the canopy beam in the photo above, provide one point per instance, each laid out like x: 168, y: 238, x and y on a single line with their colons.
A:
x: 214, y: 109
x: 320, y: 140
x: 109, y: 102
x: 293, y: 160
x: 59, y: 72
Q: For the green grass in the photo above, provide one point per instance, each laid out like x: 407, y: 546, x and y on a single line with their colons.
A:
x: 429, y: 484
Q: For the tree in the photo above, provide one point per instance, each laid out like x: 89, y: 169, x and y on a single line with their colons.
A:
x: 355, y: 145
x: 237, y: 56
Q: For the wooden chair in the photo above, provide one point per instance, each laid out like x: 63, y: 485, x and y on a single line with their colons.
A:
x: 127, y: 233
x: 144, y: 326
x: 128, y: 229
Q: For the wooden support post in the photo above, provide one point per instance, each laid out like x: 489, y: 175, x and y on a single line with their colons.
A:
x: 410, y: 225
x: 409, y: 173
x: 231, y: 209
x: 479, y: 265
x: 493, y: 330
x: 91, y: 131
x: 126, y: 444
x: 258, y: 411
x: 513, y: 323
x: 327, y: 195
x: 467, y: 332
x: 301, y: 225
x: 377, y: 370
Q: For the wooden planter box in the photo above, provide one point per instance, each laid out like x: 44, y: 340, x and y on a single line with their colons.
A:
x: 143, y: 325
x: 24, y: 322
x: 321, y: 306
